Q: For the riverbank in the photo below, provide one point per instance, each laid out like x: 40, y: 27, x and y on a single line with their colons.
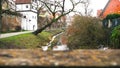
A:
x: 27, y: 40
x: 37, y: 57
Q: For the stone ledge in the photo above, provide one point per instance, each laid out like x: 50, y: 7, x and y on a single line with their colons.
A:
x: 37, y: 57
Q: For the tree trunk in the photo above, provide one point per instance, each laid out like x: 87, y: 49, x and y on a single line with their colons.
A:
x: 0, y: 16
x: 43, y: 28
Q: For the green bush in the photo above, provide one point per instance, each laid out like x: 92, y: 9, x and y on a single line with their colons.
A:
x: 115, y: 37
x: 85, y: 32
x: 112, y: 16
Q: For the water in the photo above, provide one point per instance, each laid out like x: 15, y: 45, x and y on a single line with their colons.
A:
x: 45, y: 48
x: 101, y: 47
x: 60, y: 48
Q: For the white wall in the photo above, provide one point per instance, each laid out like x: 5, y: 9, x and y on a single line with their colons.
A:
x: 30, y: 22
x: 22, y: 7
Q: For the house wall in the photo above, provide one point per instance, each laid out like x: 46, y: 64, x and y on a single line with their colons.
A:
x: 113, y: 7
x: 29, y: 21
x: 22, y: 7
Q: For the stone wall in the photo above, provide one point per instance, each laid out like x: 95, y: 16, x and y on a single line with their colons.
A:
x: 10, y: 22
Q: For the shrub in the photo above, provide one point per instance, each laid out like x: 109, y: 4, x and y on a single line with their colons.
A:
x: 112, y: 16
x: 115, y: 37
x: 85, y: 32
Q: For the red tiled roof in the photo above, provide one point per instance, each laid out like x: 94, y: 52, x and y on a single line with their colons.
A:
x: 22, y: 1
x: 113, y: 6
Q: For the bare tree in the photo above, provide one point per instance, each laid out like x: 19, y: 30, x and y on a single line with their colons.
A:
x: 40, y: 6
x: 86, y: 4
x: 56, y: 7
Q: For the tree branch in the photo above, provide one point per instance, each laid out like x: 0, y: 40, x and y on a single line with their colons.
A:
x: 55, y: 10
x: 63, y: 6
x: 47, y: 6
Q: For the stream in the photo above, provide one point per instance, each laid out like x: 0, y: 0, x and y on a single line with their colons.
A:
x: 58, y: 47
x: 63, y: 47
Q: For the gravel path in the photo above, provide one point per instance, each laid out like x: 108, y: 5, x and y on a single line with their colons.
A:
x: 13, y: 34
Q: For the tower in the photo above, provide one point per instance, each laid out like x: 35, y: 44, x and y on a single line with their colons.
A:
x: 28, y: 9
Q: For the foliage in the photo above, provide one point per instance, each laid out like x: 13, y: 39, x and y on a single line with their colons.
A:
x: 112, y: 16
x: 111, y: 31
x: 115, y: 37
x: 25, y: 40
x: 85, y: 32
x: 111, y: 21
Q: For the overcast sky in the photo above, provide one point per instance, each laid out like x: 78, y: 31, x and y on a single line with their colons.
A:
x: 94, y: 4
x: 97, y: 4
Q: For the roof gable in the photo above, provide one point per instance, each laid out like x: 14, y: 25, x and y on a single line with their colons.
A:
x: 105, y: 7
x: 22, y: 1
x: 113, y: 6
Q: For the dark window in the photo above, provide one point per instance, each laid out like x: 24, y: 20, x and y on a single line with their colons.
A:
x: 24, y: 16
x: 26, y: 6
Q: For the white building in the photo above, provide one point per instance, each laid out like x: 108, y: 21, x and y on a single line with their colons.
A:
x: 28, y: 9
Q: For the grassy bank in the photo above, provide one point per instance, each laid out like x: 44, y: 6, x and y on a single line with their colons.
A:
x: 26, y: 40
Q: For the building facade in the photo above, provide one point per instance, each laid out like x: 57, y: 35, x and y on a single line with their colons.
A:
x: 113, y: 6
x: 28, y: 9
